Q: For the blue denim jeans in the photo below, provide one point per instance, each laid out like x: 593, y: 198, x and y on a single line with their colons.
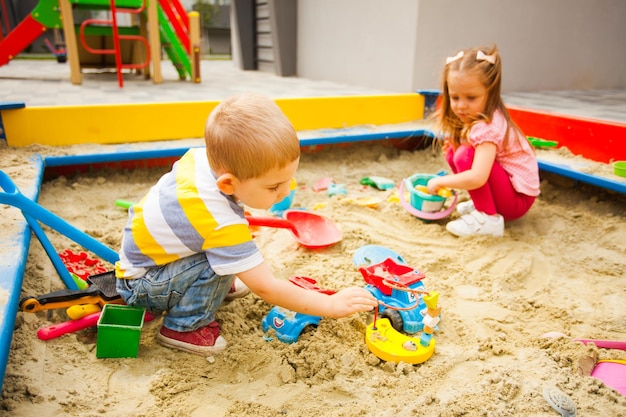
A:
x: 187, y: 290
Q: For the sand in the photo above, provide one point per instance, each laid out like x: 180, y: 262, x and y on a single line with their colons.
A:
x: 561, y: 268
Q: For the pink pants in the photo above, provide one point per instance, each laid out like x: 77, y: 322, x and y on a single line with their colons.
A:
x: 497, y: 195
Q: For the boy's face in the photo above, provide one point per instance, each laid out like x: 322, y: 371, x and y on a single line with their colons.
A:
x: 263, y: 192
x: 468, y: 95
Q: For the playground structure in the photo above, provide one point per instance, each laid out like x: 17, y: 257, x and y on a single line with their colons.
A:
x: 162, y: 24
x: 161, y: 132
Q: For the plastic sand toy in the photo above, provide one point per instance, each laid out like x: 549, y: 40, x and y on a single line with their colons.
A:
x: 612, y: 373
x: 421, y: 204
x: 392, y: 346
x: 309, y: 229
x: 288, y: 325
x: 405, y: 307
x: 373, y: 254
x: 396, y: 287
x: 389, y: 344
x: 81, y: 264
x: 371, y: 202
x: 380, y: 183
x: 559, y: 401
x: 542, y: 143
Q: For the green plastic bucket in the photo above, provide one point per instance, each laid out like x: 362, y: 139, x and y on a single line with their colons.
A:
x: 422, y: 201
x: 119, y: 331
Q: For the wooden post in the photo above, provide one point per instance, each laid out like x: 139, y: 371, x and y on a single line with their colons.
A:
x: 194, y: 42
x: 70, y: 41
x: 142, y: 21
x: 155, y: 41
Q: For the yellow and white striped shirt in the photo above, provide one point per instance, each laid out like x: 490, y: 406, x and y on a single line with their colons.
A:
x: 184, y: 214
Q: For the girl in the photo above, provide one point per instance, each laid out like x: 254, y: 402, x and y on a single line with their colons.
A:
x: 487, y: 152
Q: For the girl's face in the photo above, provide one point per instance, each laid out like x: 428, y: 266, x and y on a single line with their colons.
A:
x: 468, y: 95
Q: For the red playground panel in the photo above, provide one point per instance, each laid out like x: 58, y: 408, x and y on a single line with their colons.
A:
x: 597, y: 140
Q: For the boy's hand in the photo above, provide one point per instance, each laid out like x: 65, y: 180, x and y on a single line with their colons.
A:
x: 351, y: 300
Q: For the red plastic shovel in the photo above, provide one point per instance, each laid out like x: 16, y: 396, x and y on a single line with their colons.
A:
x: 310, y: 230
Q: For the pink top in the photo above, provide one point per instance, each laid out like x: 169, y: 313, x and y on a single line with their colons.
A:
x: 516, y: 156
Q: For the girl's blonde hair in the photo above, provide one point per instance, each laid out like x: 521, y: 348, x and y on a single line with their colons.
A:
x: 486, y: 62
x: 248, y: 135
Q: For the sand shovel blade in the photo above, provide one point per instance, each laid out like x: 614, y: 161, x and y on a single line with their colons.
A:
x: 310, y: 230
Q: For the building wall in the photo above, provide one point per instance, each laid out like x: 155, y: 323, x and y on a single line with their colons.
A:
x: 401, y: 45
x: 361, y: 42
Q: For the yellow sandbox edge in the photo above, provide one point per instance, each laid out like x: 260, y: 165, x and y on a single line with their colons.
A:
x: 127, y: 123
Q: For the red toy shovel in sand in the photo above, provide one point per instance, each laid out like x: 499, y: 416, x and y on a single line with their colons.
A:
x: 310, y: 230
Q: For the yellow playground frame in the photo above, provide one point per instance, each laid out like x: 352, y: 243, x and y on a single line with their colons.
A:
x: 132, y: 123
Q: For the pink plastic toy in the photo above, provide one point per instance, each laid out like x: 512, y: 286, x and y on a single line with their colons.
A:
x: 612, y: 373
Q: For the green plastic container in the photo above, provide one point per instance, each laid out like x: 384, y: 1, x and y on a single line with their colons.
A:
x: 619, y: 168
x: 119, y: 331
x: 420, y: 200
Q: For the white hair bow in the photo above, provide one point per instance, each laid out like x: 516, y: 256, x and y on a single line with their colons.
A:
x: 480, y: 56
x: 451, y: 59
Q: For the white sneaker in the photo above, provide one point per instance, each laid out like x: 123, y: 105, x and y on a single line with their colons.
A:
x: 477, y: 223
x: 238, y: 290
x: 465, y: 207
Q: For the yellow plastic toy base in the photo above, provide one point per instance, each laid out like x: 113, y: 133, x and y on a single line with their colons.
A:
x: 392, y: 346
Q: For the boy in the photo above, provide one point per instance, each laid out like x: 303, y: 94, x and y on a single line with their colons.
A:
x: 187, y: 240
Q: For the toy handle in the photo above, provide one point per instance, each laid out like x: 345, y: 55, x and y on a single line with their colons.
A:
x: 309, y: 284
x: 56, y: 330
x: 12, y: 196
x: 605, y: 344
x: 272, y: 222
x: 124, y: 203
x: 437, y: 215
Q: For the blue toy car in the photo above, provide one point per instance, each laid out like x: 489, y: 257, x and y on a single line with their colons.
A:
x: 287, y: 324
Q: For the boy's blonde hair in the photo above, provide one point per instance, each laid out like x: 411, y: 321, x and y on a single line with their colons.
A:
x: 486, y: 62
x: 248, y: 135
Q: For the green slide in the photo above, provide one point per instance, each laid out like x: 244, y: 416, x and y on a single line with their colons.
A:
x: 172, y: 46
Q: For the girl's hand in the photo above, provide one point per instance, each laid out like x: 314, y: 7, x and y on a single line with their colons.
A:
x: 434, y: 184
x: 351, y: 300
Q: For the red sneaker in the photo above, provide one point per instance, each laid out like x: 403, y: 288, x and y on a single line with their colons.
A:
x: 238, y: 290
x: 205, y: 341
